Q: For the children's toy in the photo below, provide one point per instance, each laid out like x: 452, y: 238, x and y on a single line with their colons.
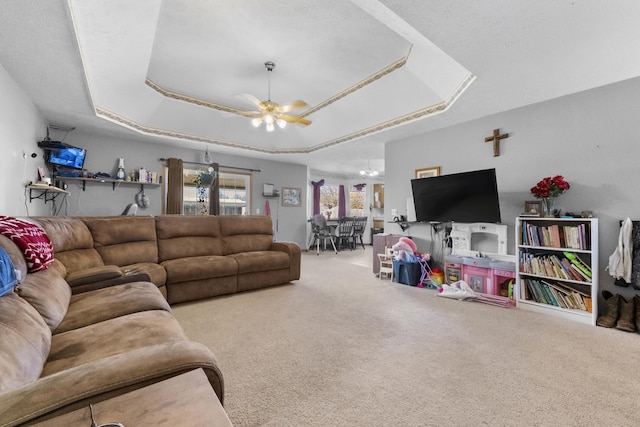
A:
x: 404, y: 250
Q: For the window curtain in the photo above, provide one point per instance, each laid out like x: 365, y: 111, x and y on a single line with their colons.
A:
x: 214, y: 192
x: 174, y: 187
x: 316, y: 195
x: 360, y: 187
x: 342, y: 204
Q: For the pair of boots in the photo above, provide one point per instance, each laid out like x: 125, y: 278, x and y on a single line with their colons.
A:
x: 618, y: 312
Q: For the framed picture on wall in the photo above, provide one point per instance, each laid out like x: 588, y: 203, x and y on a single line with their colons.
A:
x: 428, y: 172
x: 291, y: 197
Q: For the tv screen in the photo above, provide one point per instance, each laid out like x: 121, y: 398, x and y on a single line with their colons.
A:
x: 460, y: 197
x: 68, y: 157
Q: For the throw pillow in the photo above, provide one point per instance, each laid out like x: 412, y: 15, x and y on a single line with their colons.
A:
x: 8, y: 279
x: 31, y: 240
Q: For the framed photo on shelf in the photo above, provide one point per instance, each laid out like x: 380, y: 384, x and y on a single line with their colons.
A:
x: 428, y: 172
x: 533, y: 207
x: 291, y: 197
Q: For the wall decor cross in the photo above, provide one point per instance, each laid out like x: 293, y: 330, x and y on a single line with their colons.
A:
x: 496, y: 137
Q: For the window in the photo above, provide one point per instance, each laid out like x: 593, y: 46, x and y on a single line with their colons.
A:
x: 356, y: 202
x: 235, y: 193
x: 195, y: 201
x: 329, y: 201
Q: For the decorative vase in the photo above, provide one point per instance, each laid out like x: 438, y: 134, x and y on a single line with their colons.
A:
x: 120, y: 174
x: 549, y: 207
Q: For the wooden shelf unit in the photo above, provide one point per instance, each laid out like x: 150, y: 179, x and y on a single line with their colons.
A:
x: 527, y: 249
x: 114, y: 182
x: 47, y: 193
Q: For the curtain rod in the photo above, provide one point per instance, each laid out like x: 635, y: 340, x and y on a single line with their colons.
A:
x: 221, y: 166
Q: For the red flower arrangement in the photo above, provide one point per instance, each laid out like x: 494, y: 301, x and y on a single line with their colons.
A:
x: 550, y: 187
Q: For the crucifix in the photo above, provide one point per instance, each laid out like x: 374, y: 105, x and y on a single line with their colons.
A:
x: 496, y: 141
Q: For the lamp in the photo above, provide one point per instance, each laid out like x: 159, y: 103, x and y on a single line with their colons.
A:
x: 368, y: 171
x: 207, y: 157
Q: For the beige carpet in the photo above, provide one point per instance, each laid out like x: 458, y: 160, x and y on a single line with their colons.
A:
x: 343, y: 348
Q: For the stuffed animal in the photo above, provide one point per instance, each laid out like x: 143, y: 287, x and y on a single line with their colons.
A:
x: 404, y: 249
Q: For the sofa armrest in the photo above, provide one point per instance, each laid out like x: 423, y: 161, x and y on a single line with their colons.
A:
x: 125, y: 278
x: 294, y: 252
x: 76, y: 387
x: 92, y: 275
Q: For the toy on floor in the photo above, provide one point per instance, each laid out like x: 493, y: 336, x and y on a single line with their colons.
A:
x: 405, y: 249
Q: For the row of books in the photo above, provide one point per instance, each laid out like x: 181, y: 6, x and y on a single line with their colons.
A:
x: 569, y: 267
x: 556, y: 236
x: 556, y: 294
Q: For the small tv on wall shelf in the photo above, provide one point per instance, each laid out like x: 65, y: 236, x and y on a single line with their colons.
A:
x: 67, y: 157
x: 460, y: 197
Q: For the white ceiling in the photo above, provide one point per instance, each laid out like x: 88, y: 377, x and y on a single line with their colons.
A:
x: 174, y: 71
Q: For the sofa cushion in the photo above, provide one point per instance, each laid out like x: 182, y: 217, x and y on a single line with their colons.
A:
x: 26, y: 340
x: 72, y: 242
x: 250, y: 262
x: 245, y: 233
x: 96, y: 306
x: 196, y: 268
x: 111, y: 337
x: 182, y: 236
x: 32, y: 241
x: 48, y: 293
x: 124, y: 240
x: 156, y: 272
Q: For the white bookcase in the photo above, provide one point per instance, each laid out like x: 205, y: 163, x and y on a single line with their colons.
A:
x: 548, y: 276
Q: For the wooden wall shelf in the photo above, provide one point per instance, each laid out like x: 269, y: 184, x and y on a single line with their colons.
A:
x: 114, y: 182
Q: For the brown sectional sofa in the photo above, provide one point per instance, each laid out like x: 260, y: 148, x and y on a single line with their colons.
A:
x: 97, y: 323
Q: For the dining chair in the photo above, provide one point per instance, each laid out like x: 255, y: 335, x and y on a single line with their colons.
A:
x: 321, y: 232
x: 359, y: 224
x: 343, y: 232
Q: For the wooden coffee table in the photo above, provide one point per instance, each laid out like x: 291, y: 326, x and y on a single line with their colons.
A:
x: 185, y: 400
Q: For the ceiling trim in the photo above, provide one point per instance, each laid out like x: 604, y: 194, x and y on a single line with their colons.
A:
x: 228, y: 109
x: 414, y: 116
x: 372, y: 78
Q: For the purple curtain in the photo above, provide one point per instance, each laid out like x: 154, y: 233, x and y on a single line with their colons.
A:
x: 359, y: 187
x: 342, y: 208
x: 316, y: 195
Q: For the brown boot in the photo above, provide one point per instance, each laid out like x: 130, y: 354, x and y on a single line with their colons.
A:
x: 611, y: 310
x: 627, y: 320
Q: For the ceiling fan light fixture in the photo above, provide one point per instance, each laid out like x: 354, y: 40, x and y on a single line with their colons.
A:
x: 368, y: 171
x: 271, y: 113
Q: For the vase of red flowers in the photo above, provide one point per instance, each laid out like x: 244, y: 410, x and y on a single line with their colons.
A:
x: 548, y: 190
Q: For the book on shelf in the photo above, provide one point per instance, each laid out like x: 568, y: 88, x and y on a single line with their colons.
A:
x: 551, y: 265
x: 557, y: 294
x: 556, y: 235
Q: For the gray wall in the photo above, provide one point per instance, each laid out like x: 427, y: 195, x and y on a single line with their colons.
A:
x: 21, y: 125
x: 592, y: 138
x: 102, y: 156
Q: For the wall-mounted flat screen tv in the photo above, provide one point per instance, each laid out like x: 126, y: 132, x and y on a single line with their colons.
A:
x: 68, y: 157
x: 460, y: 197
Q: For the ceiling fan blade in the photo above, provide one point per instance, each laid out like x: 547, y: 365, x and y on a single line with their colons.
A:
x: 295, y: 119
x: 250, y: 98
x: 292, y: 106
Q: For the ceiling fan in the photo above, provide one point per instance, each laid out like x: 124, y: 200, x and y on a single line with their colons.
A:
x: 271, y: 113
